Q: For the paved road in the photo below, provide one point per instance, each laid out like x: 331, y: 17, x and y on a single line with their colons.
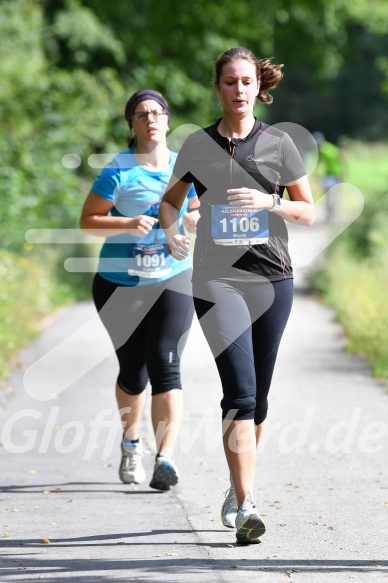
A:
x: 321, y: 472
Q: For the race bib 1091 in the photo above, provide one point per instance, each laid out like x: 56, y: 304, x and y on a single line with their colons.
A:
x: 152, y: 261
x: 236, y: 226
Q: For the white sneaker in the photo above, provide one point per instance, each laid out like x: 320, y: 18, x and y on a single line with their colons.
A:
x: 229, y: 508
x: 165, y: 472
x: 249, y: 525
x: 131, y: 468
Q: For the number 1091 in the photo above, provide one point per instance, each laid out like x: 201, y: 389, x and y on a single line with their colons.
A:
x: 154, y: 260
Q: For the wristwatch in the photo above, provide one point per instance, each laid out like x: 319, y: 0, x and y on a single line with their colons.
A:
x: 276, y: 202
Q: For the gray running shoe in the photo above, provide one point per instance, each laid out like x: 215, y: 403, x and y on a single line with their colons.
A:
x: 165, y: 472
x: 229, y: 508
x: 131, y: 468
x: 249, y: 524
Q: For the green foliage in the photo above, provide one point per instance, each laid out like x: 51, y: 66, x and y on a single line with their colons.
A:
x: 374, y: 12
x: 357, y: 292
x: 29, y: 291
x: 354, y: 275
x: 366, y: 166
x: 173, y: 47
x: 85, y: 36
x: 47, y: 113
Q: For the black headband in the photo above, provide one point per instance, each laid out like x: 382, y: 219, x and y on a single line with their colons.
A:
x: 144, y: 95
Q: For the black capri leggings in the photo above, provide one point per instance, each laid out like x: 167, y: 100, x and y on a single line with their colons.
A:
x: 145, y: 324
x: 243, y: 323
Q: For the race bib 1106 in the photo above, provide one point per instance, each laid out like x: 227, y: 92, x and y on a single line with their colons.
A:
x: 236, y: 226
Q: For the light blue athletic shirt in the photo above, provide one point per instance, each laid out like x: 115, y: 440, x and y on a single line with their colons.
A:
x: 126, y: 259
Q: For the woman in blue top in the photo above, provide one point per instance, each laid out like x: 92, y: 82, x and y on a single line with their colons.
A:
x: 142, y: 294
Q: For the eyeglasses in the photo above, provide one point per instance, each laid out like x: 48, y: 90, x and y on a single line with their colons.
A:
x: 143, y: 115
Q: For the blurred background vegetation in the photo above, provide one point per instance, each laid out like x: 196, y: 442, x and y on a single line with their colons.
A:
x: 67, y: 68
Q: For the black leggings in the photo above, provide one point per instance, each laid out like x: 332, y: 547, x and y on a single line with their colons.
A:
x: 145, y: 324
x: 243, y: 323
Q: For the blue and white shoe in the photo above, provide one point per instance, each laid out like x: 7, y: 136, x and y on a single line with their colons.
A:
x: 249, y: 525
x: 165, y: 472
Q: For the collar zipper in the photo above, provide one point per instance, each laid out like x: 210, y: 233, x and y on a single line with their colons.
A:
x: 232, y: 148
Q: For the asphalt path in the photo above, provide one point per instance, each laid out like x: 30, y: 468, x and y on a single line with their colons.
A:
x: 321, y: 481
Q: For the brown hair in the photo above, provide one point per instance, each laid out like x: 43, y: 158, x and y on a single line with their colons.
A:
x: 268, y: 74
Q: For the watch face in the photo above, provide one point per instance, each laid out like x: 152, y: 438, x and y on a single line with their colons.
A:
x: 277, y: 200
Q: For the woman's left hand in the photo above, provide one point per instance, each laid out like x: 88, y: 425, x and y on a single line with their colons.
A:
x: 249, y: 198
x: 178, y: 247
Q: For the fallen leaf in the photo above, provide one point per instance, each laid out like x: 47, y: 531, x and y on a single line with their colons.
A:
x: 46, y: 492
x: 172, y: 554
x: 332, y: 528
x: 15, y: 510
x: 277, y: 502
x: 33, y: 472
x: 234, y: 565
x: 385, y: 504
x: 156, y: 555
x: 53, y: 523
x: 46, y: 541
x: 36, y: 507
x: 231, y: 546
x: 5, y: 534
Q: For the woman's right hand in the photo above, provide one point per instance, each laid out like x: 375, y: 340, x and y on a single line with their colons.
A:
x: 178, y: 247
x: 141, y: 225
